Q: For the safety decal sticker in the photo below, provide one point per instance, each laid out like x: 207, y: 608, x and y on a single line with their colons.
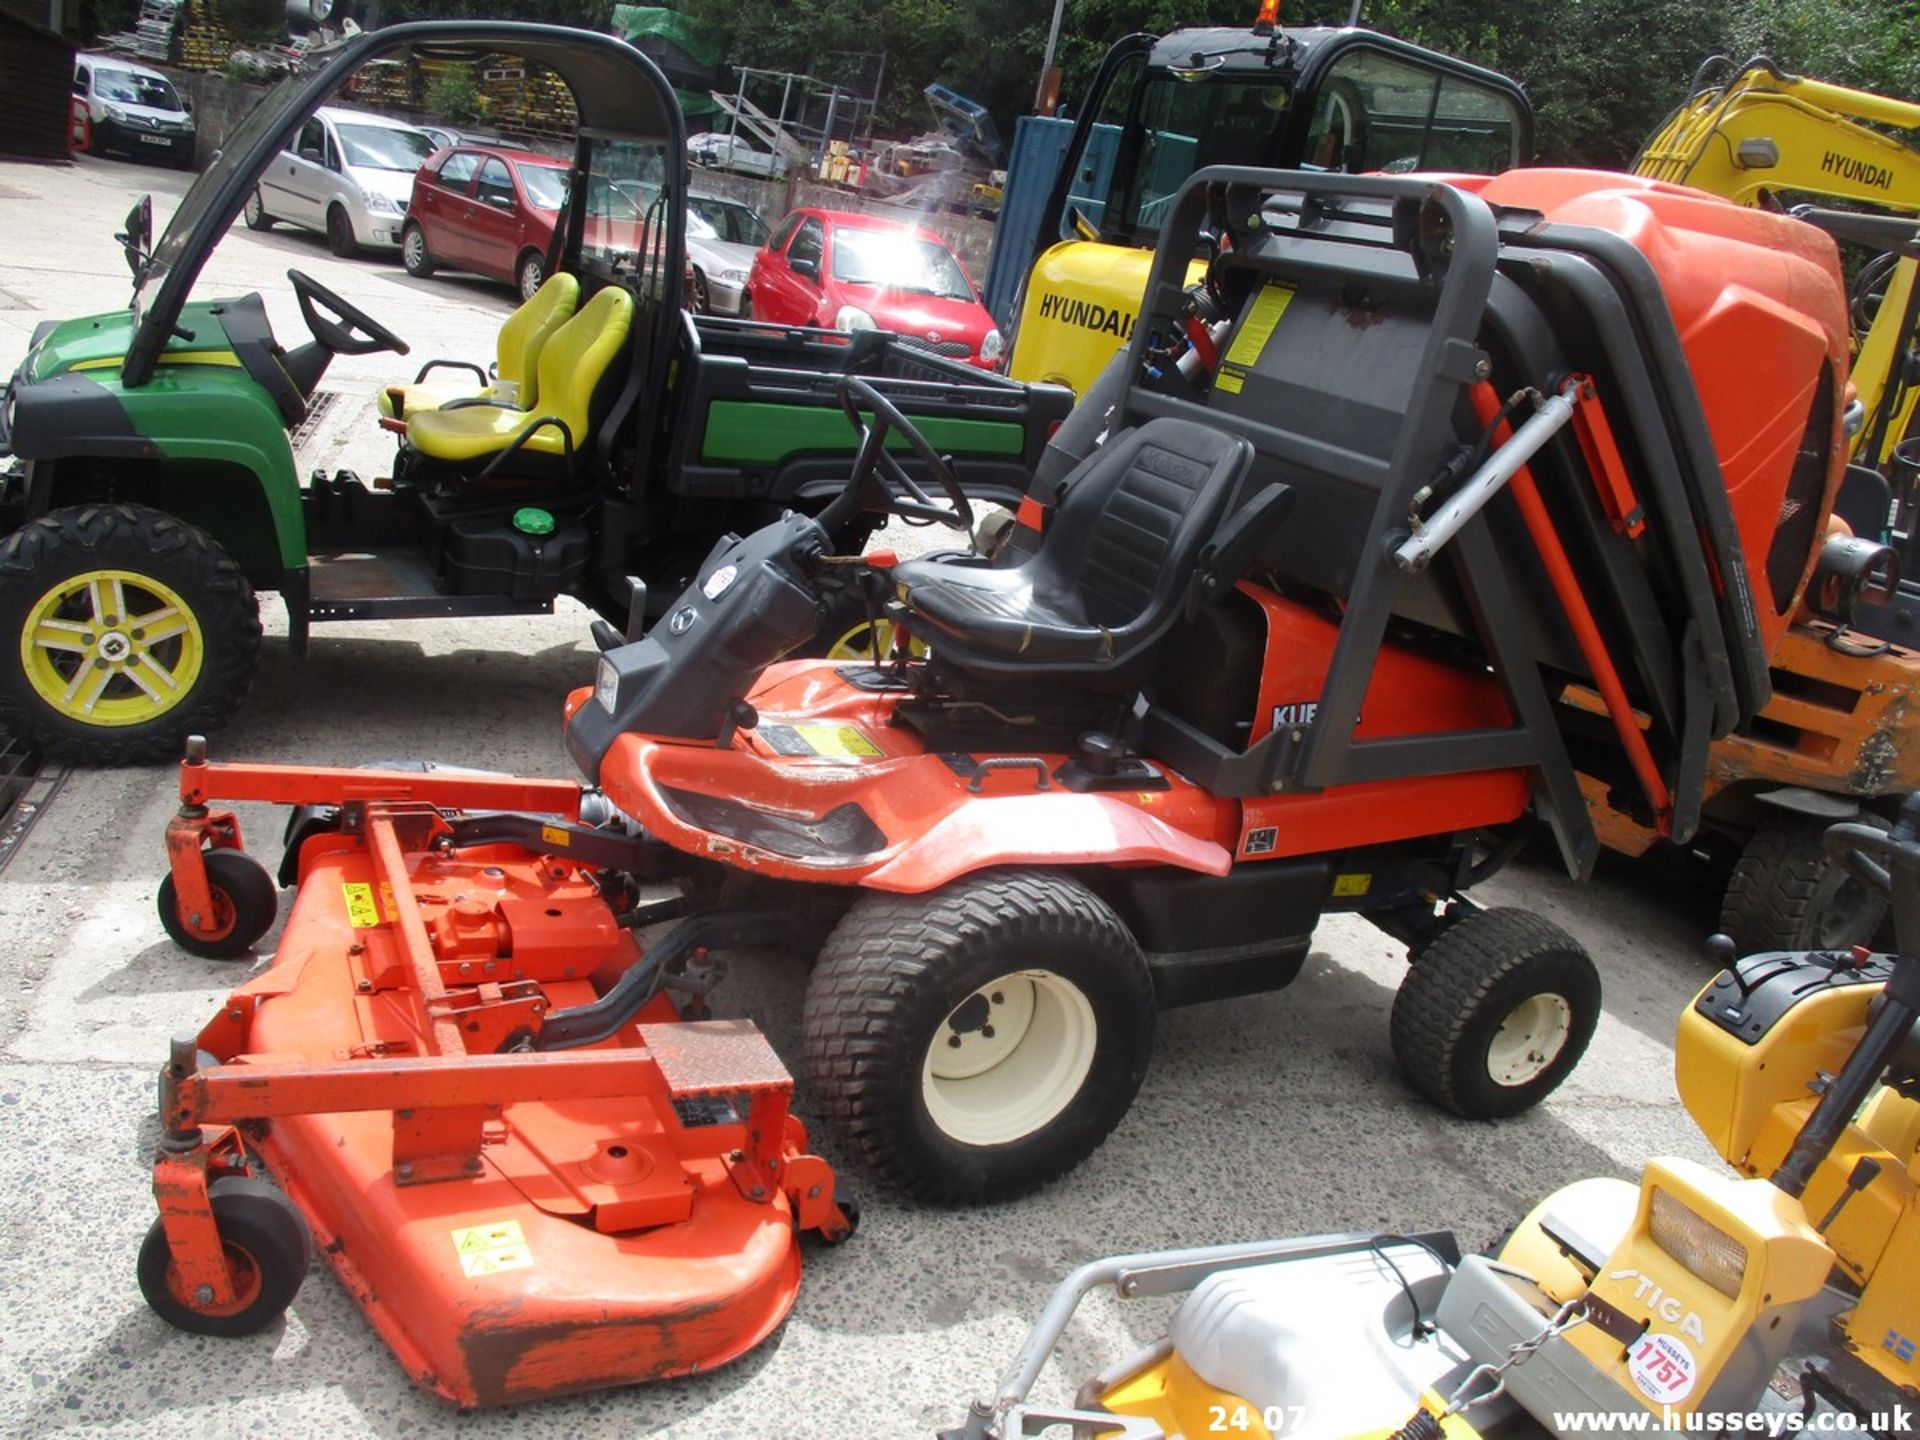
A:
x: 1663, y: 1367
x: 489, y: 1249
x: 555, y: 835
x: 1251, y: 335
x: 1261, y: 841
x: 1350, y: 885
x: 837, y: 742
x: 360, y: 907
x: 362, y: 910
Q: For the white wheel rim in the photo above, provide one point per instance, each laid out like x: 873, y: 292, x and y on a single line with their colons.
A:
x: 416, y: 247
x: 530, y: 279
x: 1016, y: 1070
x: 1530, y: 1039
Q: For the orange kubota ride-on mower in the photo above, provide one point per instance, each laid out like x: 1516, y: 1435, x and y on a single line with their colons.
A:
x: 1292, y: 637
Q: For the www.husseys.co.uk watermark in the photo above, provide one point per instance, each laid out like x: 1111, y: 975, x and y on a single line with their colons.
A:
x: 1898, y: 1421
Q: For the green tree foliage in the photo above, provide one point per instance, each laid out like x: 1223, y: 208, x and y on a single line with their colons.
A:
x: 1602, y: 73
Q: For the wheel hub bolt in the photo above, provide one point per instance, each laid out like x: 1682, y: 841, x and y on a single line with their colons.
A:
x: 986, y: 1032
x: 953, y: 1042
x: 204, y: 1295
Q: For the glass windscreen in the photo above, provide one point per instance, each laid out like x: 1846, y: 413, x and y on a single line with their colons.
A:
x: 374, y: 147
x: 1371, y: 112
x: 126, y: 88
x: 624, y: 227
x: 900, y: 262
x: 268, y: 116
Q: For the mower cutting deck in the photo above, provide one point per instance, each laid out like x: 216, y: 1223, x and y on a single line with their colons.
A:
x: 515, y: 1221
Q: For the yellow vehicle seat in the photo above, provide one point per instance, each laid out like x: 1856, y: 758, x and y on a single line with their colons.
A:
x: 572, y: 364
x: 517, y: 357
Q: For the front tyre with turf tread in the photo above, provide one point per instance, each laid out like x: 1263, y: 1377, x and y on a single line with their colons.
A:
x: 890, y: 986
x: 1787, y: 893
x: 148, y: 545
x: 269, y: 1248
x: 245, y: 904
x: 1480, y: 973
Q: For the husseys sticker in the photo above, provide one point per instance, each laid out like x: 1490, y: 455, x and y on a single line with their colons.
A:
x: 1663, y: 1367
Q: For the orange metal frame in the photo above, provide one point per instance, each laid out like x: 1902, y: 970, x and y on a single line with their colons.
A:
x: 449, y: 1102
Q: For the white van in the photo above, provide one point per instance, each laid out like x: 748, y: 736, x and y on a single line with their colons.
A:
x: 348, y: 174
x: 132, y: 109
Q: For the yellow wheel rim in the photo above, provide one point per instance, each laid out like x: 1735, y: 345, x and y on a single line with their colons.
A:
x: 112, y: 647
x: 857, y: 643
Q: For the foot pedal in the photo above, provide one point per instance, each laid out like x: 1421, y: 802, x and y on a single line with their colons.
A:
x: 714, y: 1057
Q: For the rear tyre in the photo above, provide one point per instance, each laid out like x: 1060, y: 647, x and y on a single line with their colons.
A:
x: 1786, y: 893
x: 255, y: 212
x: 977, y: 1042
x: 746, y: 307
x: 268, y: 1248
x: 1495, y: 1014
x: 413, y: 252
x: 123, y: 630
x: 245, y: 902
x: 530, y: 274
x: 340, y: 234
x: 702, y: 304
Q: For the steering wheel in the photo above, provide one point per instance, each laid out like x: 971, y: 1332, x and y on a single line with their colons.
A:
x: 879, y: 481
x: 337, y: 335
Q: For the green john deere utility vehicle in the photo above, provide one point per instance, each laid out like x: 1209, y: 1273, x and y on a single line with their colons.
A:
x: 148, y: 486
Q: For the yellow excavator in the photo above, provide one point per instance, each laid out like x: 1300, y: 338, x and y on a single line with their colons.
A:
x: 1835, y: 742
x: 1759, y: 136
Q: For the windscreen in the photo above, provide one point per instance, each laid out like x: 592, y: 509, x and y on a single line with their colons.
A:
x: 1370, y: 112
x: 265, y: 118
x: 901, y: 262
x: 624, y: 225
x: 546, y: 185
x: 126, y: 88
x: 374, y: 147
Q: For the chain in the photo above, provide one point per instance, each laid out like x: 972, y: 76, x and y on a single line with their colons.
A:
x: 1564, y: 1319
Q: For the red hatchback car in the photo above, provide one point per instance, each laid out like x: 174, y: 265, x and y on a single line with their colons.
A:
x: 842, y: 271
x: 490, y: 210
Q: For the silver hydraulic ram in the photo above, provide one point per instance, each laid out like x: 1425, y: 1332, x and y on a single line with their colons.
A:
x: 1550, y: 415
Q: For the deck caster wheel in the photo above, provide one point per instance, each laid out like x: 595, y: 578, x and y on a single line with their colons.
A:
x: 977, y: 1042
x: 1495, y: 1014
x: 268, y: 1249
x: 245, y: 902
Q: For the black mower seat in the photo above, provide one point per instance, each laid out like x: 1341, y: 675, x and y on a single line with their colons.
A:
x: 1110, y: 575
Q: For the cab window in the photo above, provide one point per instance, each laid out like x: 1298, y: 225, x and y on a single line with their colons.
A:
x: 80, y: 80
x: 783, y: 233
x: 1377, y: 112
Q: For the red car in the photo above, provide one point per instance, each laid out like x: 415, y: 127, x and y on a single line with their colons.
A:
x: 491, y: 210
x: 842, y: 271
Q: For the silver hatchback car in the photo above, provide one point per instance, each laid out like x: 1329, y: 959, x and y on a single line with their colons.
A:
x: 349, y: 175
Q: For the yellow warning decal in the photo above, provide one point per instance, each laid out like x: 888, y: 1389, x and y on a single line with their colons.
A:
x: 838, y: 742
x: 489, y: 1249
x: 1352, y: 884
x: 555, y: 835
x: 360, y: 907
x: 1250, y: 336
x: 387, y: 906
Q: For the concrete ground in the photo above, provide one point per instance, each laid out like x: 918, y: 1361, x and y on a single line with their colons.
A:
x: 1265, y: 1117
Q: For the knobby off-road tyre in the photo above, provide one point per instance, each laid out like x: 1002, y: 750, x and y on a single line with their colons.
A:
x: 177, y: 657
x: 269, y: 1248
x: 1495, y: 1013
x: 979, y: 1041
x: 1786, y: 893
x: 245, y: 904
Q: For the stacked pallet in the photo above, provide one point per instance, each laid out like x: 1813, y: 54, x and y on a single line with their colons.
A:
x: 152, y: 35
x: 526, y: 101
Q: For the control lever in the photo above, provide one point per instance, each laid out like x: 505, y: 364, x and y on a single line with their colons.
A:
x: 1865, y: 1172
